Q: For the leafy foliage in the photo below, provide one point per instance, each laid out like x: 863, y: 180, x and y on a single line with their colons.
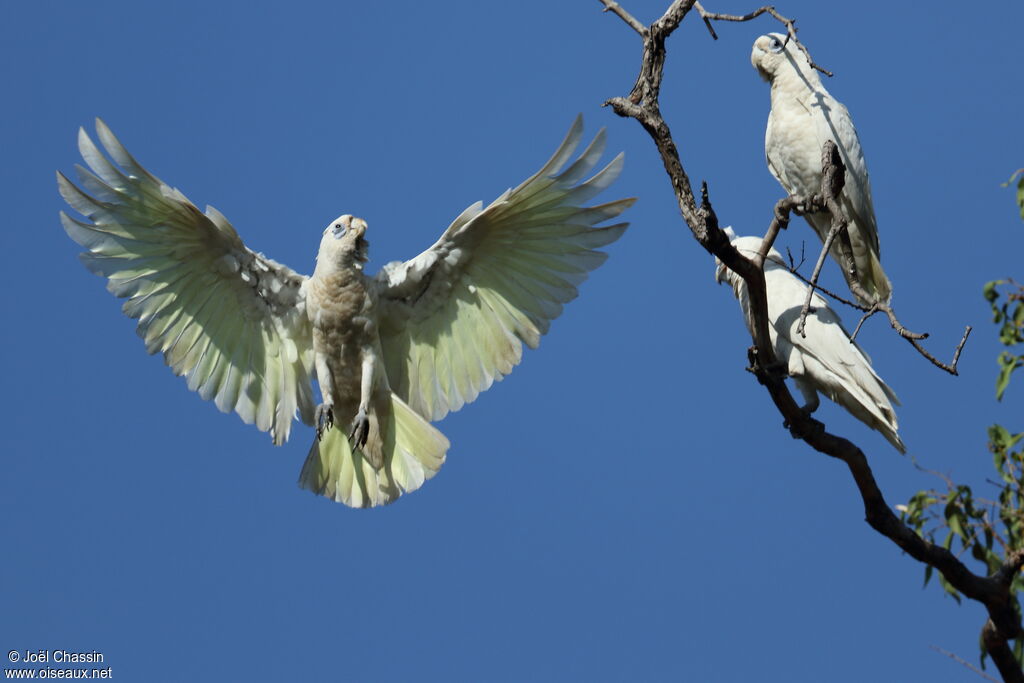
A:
x: 1018, y: 175
x: 988, y: 529
x: 1009, y: 313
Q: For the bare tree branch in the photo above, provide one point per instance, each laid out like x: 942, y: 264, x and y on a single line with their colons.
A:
x: 642, y: 104
x: 833, y: 178
x: 832, y: 181
x: 790, y: 25
x: 829, y: 293
x: 783, y: 208
x: 960, y: 660
x: 615, y: 7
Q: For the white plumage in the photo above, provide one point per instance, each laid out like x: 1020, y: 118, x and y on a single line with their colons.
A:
x: 390, y: 353
x: 803, y: 117
x: 824, y: 361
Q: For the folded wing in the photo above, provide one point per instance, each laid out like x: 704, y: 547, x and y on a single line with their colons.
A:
x: 229, y: 320
x: 453, y: 319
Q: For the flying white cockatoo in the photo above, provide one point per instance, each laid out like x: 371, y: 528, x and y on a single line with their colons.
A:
x: 825, y: 360
x: 803, y: 117
x: 390, y: 353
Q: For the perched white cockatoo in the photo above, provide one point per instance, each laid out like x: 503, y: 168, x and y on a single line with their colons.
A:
x: 825, y: 360
x: 803, y: 117
x: 390, y: 353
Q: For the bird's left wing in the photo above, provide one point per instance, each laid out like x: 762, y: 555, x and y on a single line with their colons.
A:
x: 453, y: 319
x: 230, y: 320
x: 828, y: 342
x: 835, y: 124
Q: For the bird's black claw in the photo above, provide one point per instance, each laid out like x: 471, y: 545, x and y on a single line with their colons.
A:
x: 360, y: 430
x: 324, y: 419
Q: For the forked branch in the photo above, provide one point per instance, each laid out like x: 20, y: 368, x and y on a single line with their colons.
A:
x: 642, y: 104
x: 832, y: 181
x: 790, y: 25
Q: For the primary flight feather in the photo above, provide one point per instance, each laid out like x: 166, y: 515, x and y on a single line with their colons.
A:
x: 803, y: 117
x: 824, y: 361
x: 390, y: 353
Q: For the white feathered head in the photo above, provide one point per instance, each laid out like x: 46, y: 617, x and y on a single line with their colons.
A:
x: 343, y: 240
x: 773, y: 52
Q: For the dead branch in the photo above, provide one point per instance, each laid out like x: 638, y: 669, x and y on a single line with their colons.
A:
x: 833, y: 177
x: 790, y: 25
x: 960, y: 660
x: 642, y: 104
x: 832, y: 181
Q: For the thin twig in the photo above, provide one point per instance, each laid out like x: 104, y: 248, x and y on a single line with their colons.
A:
x: 783, y: 208
x: 871, y: 311
x: 951, y: 367
x: 833, y: 178
x: 827, y: 292
x: 610, y: 6
x: 959, y: 660
x: 806, y: 308
x: 790, y: 25
x: 935, y: 473
x: 960, y: 346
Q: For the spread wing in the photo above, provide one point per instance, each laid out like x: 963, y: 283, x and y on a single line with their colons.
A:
x: 231, y: 321
x: 453, y: 319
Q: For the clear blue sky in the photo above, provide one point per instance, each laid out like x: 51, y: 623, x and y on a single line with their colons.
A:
x: 626, y: 505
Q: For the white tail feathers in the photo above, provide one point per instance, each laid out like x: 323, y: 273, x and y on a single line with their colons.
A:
x: 413, y: 452
x: 883, y: 288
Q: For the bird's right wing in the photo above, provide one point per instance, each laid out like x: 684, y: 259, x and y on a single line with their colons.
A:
x: 230, y: 320
x: 454, y: 319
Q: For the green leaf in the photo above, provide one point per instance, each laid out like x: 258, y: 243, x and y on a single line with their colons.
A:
x: 948, y: 587
x: 984, y: 651
x: 956, y: 525
x: 1020, y: 188
x: 928, y: 570
x: 1020, y: 196
x: 1007, y: 364
x: 999, y: 436
x: 989, y: 290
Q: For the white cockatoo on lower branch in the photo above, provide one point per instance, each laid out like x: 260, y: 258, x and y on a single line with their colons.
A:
x: 825, y: 360
x: 803, y: 117
x: 390, y: 353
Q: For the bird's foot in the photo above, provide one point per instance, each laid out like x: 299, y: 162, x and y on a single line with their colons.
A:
x: 806, y: 426
x: 360, y: 430
x: 324, y: 419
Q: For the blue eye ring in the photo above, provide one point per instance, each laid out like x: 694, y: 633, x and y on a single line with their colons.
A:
x: 776, y: 45
x: 338, y: 230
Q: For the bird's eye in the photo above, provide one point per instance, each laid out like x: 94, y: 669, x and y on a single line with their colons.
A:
x: 775, y: 45
x: 338, y: 230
